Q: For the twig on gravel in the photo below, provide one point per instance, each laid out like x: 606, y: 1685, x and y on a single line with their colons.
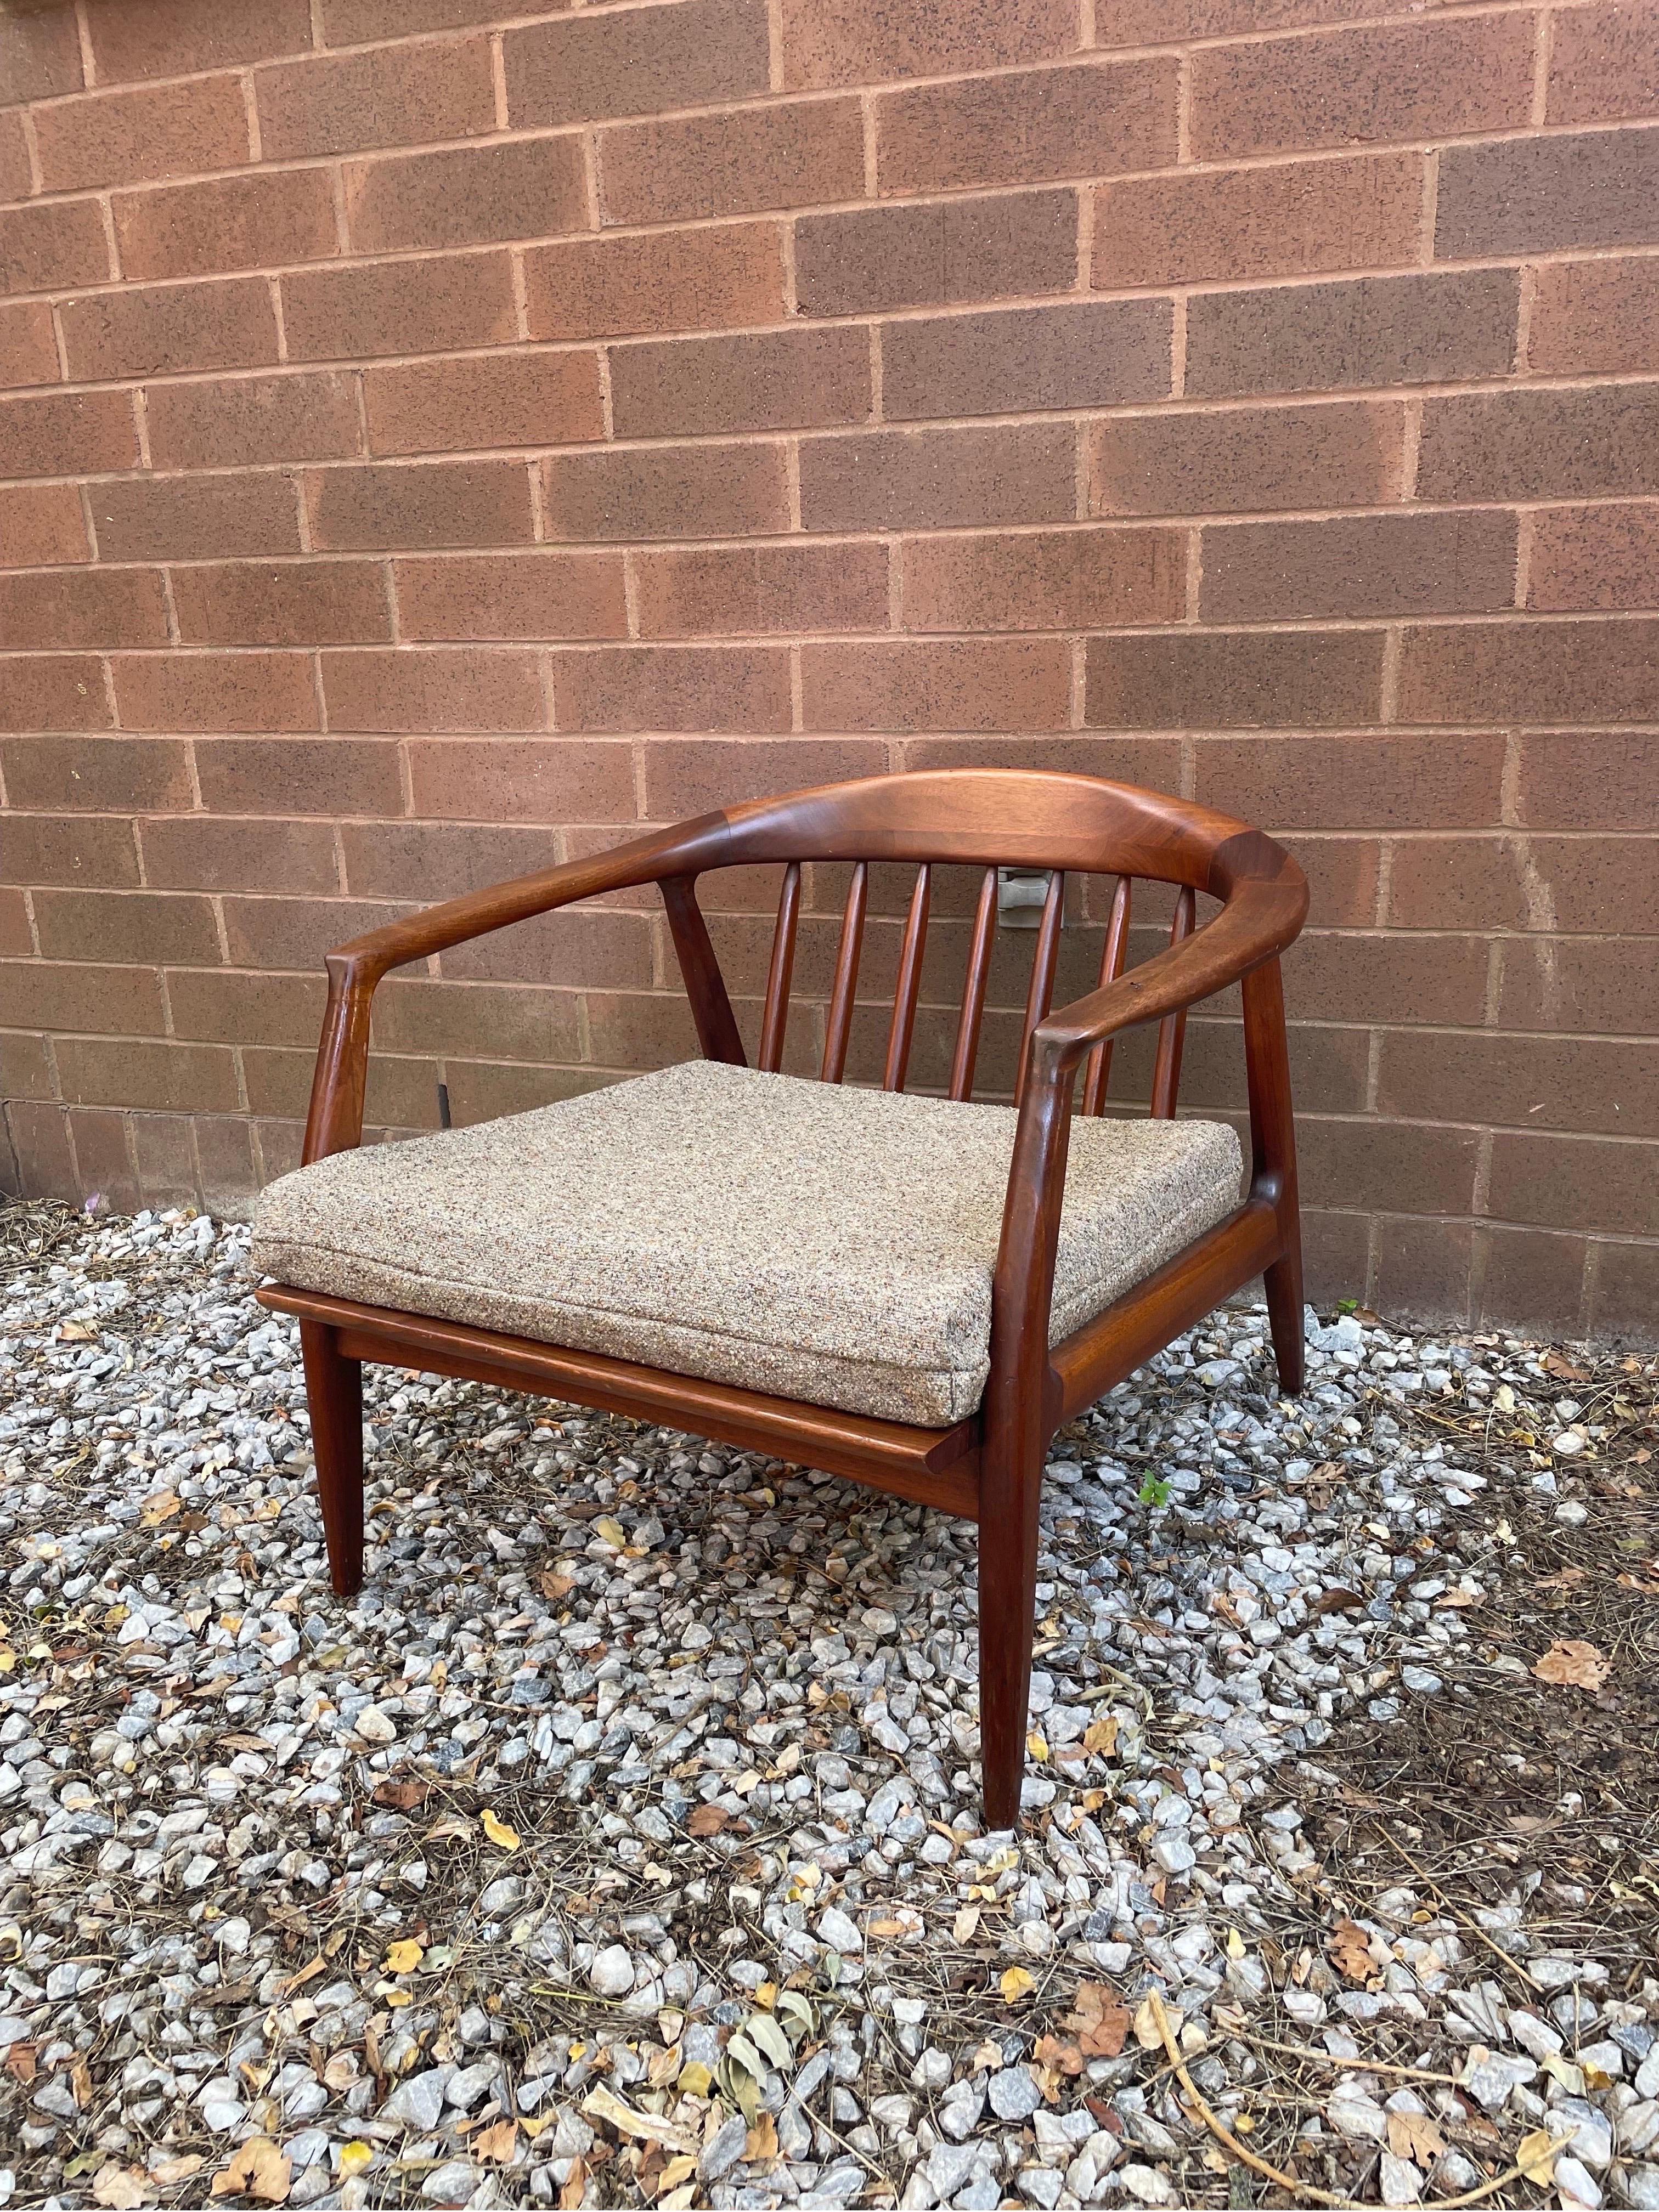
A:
x: 1473, y: 1927
x: 1230, y: 2142
x: 1344, y: 2065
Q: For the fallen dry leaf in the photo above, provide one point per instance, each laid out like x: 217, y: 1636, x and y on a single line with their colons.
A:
x: 1064, y: 2058
x: 963, y: 1925
x: 761, y: 2140
x: 575, y: 2191
x: 1148, y: 2033
x: 1574, y: 1664
x: 603, y: 2104
x: 259, y: 2168
x: 1100, y: 1735
x: 499, y: 1834
x: 1351, y: 1951
x: 1015, y: 1985
x: 402, y: 1957
x: 123, y: 2186
x: 554, y: 1586
x: 708, y: 1821
x: 1536, y: 2156
x: 21, y: 2062
x: 1414, y: 2135
x: 1098, y: 2021
x: 1335, y: 1600
x: 498, y: 2143
x: 167, y: 2171
x: 401, y: 1796
x: 355, y: 2156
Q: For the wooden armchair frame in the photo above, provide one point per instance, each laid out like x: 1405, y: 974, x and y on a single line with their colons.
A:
x: 987, y: 1467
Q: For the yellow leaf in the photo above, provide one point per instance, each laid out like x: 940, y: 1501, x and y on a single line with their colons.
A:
x: 1100, y: 1735
x: 499, y: 1834
x: 402, y: 1957
x: 397, y: 1997
x: 611, y: 1529
x: 766, y: 1994
x: 679, y: 2168
x: 1235, y: 1944
x: 1242, y: 2124
x: 696, y: 2080
x: 1015, y: 1985
x: 1037, y: 1744
x: 964, y: 1924
x: 1536, y: 2157
x: 355, y: 2156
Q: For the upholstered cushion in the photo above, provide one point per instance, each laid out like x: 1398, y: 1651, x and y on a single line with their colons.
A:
x: 817, y: 1243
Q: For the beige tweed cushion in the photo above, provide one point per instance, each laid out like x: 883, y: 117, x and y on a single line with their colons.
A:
x: 817, y: 1243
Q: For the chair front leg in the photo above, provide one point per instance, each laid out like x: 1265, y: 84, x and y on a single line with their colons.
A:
x: 334, y: 1395
x: 1010, y: 1489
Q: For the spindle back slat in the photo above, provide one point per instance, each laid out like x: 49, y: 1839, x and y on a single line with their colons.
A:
x: 973, y: 988
x: 775, y: 1019
x: 1040, y: 996
x: 691, y: 941
x: 1099, y: 1064
x: 1172, y: 1030
x: 838, y: 1028
x: 909, y: 982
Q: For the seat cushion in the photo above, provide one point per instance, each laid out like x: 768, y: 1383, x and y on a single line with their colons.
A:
x: 812, y: 1242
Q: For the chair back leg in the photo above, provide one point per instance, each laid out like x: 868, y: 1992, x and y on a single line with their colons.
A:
x: 1273, y: 1176
x: 334, y: 1393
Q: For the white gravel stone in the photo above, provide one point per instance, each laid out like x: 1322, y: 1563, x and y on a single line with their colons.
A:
x: 730, y: 1707
x: 612, y: 1974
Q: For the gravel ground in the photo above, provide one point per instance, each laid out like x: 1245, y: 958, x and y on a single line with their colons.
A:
x: 620, y: 1845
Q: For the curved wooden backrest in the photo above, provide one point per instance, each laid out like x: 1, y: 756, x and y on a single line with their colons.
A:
x: 987, y: 817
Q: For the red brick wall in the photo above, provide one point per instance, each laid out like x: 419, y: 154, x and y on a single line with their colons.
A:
x: 438, y: 438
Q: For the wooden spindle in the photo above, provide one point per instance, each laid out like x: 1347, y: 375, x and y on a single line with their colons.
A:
x: 1111, y: 967
x: 776, y: 1017
x: 1040, y: 997
x: 711, y: 1007
x: 973, y: 989
x: 909, y: 983
x: 847, y: 974
x: 1172, y: 1029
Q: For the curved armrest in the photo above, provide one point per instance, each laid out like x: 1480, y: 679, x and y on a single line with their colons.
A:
x: 1259, y: 920
x: 1267, y: 900
x: 335, y: 1123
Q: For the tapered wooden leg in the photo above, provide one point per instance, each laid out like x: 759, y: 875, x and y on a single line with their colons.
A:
x: 1007, y: 1619
x: 1283, y: 1282
x: 334, y: 1394
x: 1273, y: 1169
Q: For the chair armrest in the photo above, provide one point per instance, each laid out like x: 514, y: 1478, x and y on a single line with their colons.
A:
x: 1258, y: 921
x: 335, y: 1122
x: 1265, y: 903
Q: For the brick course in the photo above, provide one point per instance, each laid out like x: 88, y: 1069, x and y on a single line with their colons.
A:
x: 438, y: 437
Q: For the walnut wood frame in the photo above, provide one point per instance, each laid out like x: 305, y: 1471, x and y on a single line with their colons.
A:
x: 987, y: 1467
